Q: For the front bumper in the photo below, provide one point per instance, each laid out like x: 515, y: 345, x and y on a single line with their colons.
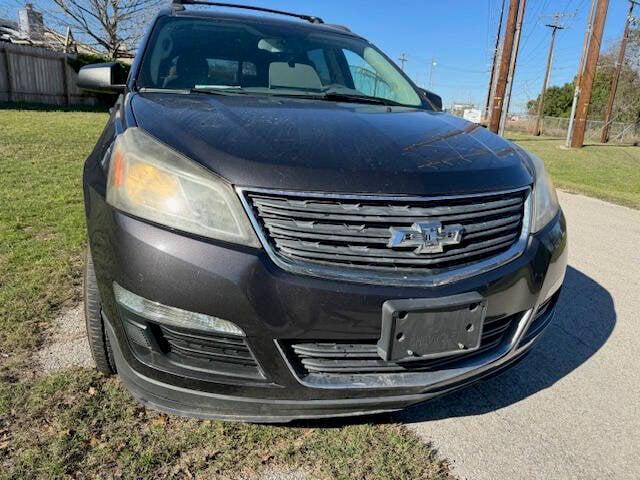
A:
x: 276, y: 308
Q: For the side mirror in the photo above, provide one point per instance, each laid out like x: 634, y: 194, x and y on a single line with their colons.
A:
x: 432, y: 98
x: 102, y: 77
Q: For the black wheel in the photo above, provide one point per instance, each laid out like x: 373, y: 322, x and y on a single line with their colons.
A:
x: 98, y: 341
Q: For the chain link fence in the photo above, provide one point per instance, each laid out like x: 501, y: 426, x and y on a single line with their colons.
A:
x: 620, y: 133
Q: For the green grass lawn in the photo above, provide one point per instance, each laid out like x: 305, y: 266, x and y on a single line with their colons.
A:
x: 79, y: 424
x: 609, y: 172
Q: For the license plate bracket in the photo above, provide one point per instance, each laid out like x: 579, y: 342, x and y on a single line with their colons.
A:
x: 420, y: 329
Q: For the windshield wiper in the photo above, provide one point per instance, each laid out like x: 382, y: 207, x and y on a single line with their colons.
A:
x: 212, y: 90
x: 350, y: 97
x: 331, y: 96
x: 219, y: 91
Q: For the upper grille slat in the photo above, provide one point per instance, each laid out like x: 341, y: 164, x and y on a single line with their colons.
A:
x: 272, y: 204
x: 270, y: 212
x: 281, y: 233
x: 354, y: 232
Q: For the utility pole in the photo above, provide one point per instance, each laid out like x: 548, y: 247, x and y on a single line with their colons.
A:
x: 433, y: 64
x: 403, y: 59
x: 604, y: 137
x: 512, y: 66
x: 503, y: 71
x: 586, y: 81
x: 583, y: 58
x: 487, y: 112
x: 555, y: 26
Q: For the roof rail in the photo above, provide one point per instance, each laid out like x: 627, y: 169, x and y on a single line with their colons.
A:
x: 339, y: 27
x: 179, y: 4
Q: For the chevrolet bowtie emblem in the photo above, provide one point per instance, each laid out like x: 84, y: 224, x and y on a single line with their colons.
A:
x: 428, y: 237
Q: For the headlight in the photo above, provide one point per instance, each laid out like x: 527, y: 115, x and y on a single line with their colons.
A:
x: 151, y: 181
x: 545, y: 200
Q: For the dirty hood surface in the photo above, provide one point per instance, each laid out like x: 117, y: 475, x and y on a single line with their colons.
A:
x: 299, y: 144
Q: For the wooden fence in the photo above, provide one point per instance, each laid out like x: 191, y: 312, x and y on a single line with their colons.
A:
x: 37, y: 75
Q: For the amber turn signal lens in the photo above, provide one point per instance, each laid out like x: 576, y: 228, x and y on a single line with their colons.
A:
x: 117, y: 167
x: 145, y: 181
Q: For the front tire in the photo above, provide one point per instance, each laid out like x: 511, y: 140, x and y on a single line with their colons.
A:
x: 98, y: 341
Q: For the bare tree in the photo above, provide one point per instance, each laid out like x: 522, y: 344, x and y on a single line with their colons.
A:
x: 633, y: 49
x: 114, y: 26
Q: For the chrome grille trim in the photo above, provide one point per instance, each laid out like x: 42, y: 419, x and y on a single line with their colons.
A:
x: 296, y: 250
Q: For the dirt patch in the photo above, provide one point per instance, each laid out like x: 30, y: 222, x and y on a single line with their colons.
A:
x: 277, y: 473
x: 66, y: 346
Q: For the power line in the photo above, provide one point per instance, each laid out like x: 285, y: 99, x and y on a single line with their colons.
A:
x: 541, y: 8
x: 532, y: 52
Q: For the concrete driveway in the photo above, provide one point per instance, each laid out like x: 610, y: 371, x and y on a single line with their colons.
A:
x: 571, y: 409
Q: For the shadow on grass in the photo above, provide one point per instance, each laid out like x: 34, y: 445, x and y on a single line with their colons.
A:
x: 611, y: 145
x: 530, y: 138
x: 45, y: 107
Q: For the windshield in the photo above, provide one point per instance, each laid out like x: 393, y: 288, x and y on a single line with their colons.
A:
x: 232, y: 57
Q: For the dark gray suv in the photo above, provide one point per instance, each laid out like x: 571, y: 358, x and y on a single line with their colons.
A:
x: 283, y: 226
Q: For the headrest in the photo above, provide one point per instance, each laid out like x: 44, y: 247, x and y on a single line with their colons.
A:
x: 300, y: 75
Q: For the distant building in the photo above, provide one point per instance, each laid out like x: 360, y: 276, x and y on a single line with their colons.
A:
x: 472, y: 114
x: 458, y: 109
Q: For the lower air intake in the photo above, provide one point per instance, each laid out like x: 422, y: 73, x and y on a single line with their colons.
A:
x: 356, y: 358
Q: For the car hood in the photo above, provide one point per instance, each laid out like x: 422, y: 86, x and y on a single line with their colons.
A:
x: 312, y: 145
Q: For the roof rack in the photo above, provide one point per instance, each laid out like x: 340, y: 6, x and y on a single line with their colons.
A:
x: 179, y: 4
x: 339, y: 27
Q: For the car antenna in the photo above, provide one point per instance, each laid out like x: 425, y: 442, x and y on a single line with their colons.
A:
x: 179, y: 5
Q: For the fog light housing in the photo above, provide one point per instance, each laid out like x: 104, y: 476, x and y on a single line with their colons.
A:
x: 172, y: 316
x: 137, y: 333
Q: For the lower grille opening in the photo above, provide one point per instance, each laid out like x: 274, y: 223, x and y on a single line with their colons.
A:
x: 207, y: 352
x: 543, y: 317
x: 353, y: 358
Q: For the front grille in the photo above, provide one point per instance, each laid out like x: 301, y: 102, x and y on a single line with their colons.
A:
x: 211, y: 352
x: 354, y: 232
x: 333, y: 358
